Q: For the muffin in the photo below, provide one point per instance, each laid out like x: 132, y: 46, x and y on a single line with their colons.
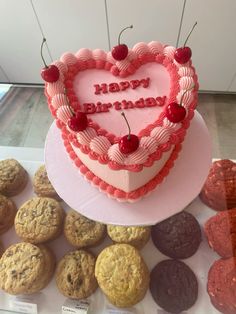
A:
x: 136, y: 236
x: 7, y: 213
x: 13, y: 177
x: 219, y: 190
x: 42, y: 185
x: 25, y: 268
x: 75, y: 275
x: 82, y: 232
x: 221, y: 285
x: 220, y: 233
x: 122, y: 274
x: 177, y: 237
x: 39, y: 220
x: 173, y: 286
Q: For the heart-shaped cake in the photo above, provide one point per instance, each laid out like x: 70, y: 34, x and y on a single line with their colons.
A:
x: 155, y: 94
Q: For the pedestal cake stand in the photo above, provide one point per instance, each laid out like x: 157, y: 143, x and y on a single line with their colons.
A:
x: 180, y: 187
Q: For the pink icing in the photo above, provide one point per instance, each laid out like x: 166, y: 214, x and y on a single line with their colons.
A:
x: 160, y: 129
x: 68, y: 58
x: 186, y: 82
x: 59, y: 100
x: 64, y: 113
x: 61, y: 66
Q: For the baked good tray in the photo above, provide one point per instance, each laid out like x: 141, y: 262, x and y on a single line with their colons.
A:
x: 50, y: 300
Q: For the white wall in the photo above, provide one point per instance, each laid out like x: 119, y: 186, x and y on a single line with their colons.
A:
x: 72, y: 24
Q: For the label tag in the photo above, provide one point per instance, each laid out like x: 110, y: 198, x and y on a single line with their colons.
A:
x: 23, y: 306
x: 75, y: 307
x: 118, y: 311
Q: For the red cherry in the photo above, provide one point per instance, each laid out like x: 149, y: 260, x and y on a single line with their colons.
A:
x: 50, y: 73
x: 78, y: 122
x: 120, y: 52
x: 183, y: 55
x: 175, y: 112
x: 128, y: 144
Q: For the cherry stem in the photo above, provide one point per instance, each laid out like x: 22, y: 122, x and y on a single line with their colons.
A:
x: 190, y: 33
x: 131, y: 26
x: 123, y: 114
x: 41, y: 52
x: 181, y: 99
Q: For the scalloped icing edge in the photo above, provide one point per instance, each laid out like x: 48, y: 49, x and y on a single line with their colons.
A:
x: 118, y: 194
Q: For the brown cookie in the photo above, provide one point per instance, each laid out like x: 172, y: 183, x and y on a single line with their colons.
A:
x: 7, y: 213
x: 136, y: 236
x: 122, y: 274
x: 81, y: 231
x: 221, y: 285
x: 22, y: 265
x: 173, y: 286
x: 42, y: 185
x: 178, y: 236
x: 75, y: 275
x: 13, y: 177
x: 39, y: 220
x: 49, y: 268
x: 219, y: 190
x: 220, y: 233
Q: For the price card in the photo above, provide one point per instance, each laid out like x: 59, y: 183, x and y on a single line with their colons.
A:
x: 75, y: 307
x: 23, y: 305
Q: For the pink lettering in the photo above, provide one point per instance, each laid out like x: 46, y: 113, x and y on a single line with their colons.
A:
x: 114, y: 87
x: 105, y: 107
x: 100, y: 89
x: 145, y: 82
x: 140, y: 103
x: 150, y: 102
x: 117, y: 105
x: 124, y: 85
x: 89, y: 108
x: 134, y: 84
x: 161, y: 101
x: 127, y: 104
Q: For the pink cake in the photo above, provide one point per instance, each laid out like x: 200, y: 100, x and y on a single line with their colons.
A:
x: 142, y: 86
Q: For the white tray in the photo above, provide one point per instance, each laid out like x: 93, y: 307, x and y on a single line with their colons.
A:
x: 50, y: 301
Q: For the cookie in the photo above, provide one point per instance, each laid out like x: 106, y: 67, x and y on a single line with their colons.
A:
x: 122, y: 274
x: 13, y: 177
x: 178, y: 236
x: 136, y: 236
x: 81, y: 231
x: 21, y: 266
x: 39, y: 220
x: 219, y: 190
x: 221, y: 285
x: 7, y: 213
x: 173, y: 286
x: 49, y: 268
x: 220, y: 233
x: 42, y: 185
x: 75, y: 275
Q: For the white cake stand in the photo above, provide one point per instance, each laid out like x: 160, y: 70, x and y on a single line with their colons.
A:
x: 181, y: 186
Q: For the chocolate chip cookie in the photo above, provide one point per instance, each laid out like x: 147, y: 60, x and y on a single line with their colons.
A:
x: 7, y: 213
x: 178, y: 236
x: 13, y: 177
x: 75, y: 275
x: 122, y: 274
x: 173, y: 286
x: 136, y: 236
x: 39, y: 220
x: 42, y: 185
x: 81, y: 231
x: 21, y: 266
